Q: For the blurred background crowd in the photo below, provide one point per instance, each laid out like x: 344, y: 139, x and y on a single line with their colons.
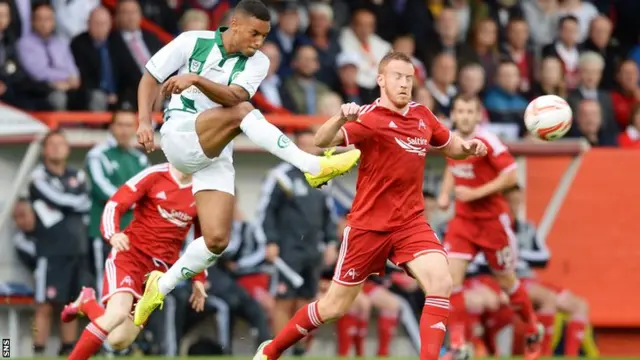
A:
x: 76, y: 55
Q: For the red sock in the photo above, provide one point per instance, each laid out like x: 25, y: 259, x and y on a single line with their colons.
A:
x: 92, y: 309
x: 361, y: 336
x: 89, y: 343
x: 386, y: 330
x: 575, y: 334
x: 303, y: 322
x: 433, y: 326
x: 548, y: 321
x: 457, y: 318
x: 522, y: 304
x: 346, y: 328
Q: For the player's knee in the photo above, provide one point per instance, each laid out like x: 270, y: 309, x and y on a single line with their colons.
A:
x: 581, y: 307
x: 115, y: 317
x: 333, y: 307
x: 216, y: 241
x: 440, y: 284
x: 120, y: 340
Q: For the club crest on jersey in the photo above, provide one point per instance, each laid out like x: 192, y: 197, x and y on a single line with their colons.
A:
x: 421, y: 124
x: 194, y: 65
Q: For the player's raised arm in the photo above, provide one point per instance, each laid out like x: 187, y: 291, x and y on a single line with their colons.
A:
x: 330, y: 134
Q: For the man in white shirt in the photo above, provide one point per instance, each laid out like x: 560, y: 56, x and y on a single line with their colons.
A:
x: 218, y: 72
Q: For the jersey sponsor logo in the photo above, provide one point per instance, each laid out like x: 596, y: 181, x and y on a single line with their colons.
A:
x: 283, y: 142
x: 178, y: 218
x: 463, y: 171
x: 414, y: 145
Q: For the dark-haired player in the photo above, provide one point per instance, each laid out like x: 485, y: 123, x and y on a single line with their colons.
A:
x: 386, y: 220
x: 218, y: 72
x: 482, y: 223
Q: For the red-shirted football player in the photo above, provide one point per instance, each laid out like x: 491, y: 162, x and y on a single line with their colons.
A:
x: 385, y: 222
x: 482, y: 223
x: 163, y: 214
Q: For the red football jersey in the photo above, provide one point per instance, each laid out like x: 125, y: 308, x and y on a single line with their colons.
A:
x: 477, y: 171
x: 391, y: 172
x: 164, y: 212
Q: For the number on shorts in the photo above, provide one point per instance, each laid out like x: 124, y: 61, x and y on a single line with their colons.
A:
x: 505, y: 256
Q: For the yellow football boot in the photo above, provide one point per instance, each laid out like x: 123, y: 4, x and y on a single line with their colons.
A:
x: 150, y: 300
x: 333, y: 166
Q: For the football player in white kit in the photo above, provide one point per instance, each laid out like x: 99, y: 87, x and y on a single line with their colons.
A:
x: 218, y: 72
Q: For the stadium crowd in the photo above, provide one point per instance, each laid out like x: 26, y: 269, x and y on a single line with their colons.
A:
x: 78, y: 55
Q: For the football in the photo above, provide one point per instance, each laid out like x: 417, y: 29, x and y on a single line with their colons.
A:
x: 548, y: 117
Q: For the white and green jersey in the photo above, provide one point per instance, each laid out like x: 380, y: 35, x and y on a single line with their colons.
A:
x: 202, y: 53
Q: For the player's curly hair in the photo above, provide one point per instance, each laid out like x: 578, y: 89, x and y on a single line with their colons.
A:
x: 254, y: 8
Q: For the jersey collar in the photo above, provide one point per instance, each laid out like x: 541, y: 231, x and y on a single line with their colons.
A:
x: 223, y: 51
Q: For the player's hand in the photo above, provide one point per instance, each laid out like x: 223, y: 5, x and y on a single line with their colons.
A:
x: 474, y: 147
x: 273, y: 251
x: 120, y: 242
x: 465, y: 193
x: 443, y: 201
x: 349, y: 111
x: 145, y: 135
x: 198, y: 296
x: 178, y: 84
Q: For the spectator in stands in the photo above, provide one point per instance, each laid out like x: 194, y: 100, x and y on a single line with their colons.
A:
x: 584, y: 11
x: 600, y: 41
x: 193, y: 19
x: 630, y: 137
x: 447, y: 29
x: 159, y: 13
x: 551, y: 79
x: 627, y: 94
x: 302, y: 91
x: 268, y: 98
x: 324, y: 39
x: 542, y: 17
x: 15, y: 23
x: 16, y: 87
x: 109, y: 165
x: 501, y: 11
x: 59, y: 197
x: 348, y: 63
x: 93, y: 57
x: 132, y: 48
x: 360, y: 38
x: 23, y: 240
x: 516, y: 50
x: 591, y: 67
x: 287, y: 37
x: 441, y: 82
x: 422, y: 96
x: 47, y: 58
x: 469, y: 14
x: 329, y: 104
x: 504, y: 104
x: 216, y: 10
x: 566, y: 49
x: 407, y: 44
x: 589, y: 120
x: 484, y: 42
x: 72, y: 16
x: 297, y: 221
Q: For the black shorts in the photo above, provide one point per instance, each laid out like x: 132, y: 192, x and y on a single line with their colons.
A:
x: 310, y: 271
x: 59, y: 279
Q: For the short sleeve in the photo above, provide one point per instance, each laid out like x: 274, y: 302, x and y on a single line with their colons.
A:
x: 254, y: 72
x: 171, y: 57
x: 357, y: 131
x: 440, y: 134
x: 498, y: 154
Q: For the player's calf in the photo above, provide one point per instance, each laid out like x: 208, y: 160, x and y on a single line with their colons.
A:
x: 578, y: 309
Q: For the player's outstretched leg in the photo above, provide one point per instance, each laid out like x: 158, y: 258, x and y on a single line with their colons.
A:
x: 217, y: 127
x: 331, y: 306
x: 578, y: 309
x: 521, y: 302
x: 459, y: 316
x: 432, y: 272
x: 546, y: 302
x: 388, y: 306
x: 215, y: 214
x: 112, y: 325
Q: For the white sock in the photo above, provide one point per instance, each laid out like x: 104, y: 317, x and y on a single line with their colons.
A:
x: 270, y: 138
x: 194, y: 260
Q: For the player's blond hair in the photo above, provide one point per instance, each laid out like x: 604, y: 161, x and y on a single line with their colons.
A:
x: 393, y: 55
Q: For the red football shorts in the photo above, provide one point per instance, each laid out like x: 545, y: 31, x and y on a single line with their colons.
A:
x: 124, y: 271
x: 364, y: 252
x: 257, y: 285
x: 493, y: 237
